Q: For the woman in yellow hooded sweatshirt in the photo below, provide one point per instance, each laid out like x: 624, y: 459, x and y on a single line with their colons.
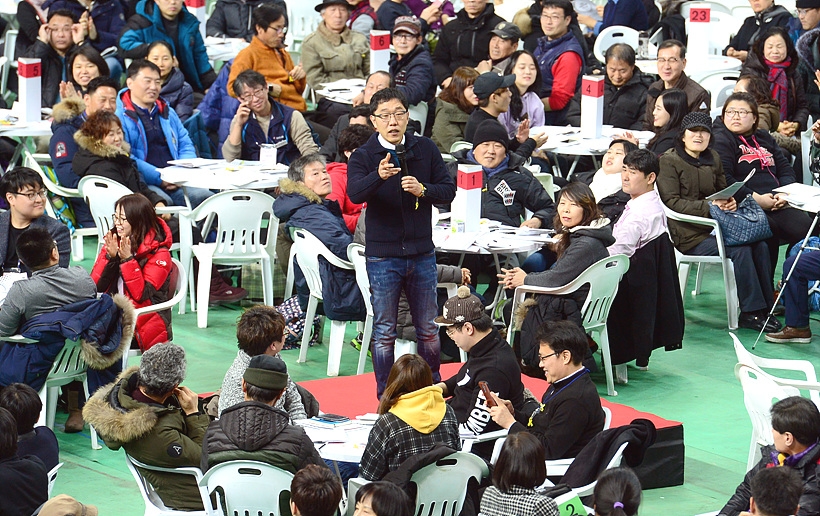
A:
x: 413, y: 418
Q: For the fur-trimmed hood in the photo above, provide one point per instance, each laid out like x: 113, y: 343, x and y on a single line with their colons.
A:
x: 807, y: 48
x: 289, y: 186
x: 91, y: 353
x: 117, y: 416
x: 67, y: 109
x: 99, y: 147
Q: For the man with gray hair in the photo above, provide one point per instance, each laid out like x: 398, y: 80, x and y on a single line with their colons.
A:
x: 156, y: 420
x: 261, y: 120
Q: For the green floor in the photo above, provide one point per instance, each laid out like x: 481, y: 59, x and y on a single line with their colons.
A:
x: 695, y: 385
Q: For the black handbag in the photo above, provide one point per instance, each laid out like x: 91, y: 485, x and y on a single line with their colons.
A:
x: 746, y: 225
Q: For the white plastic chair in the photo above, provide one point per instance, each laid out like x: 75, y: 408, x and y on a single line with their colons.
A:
x: 720, y: 85
x: 685, y: 260
x: 441, y: 487
x: 759, y: 393
x: 460, y: 145
x: 52, y: 477
x: 418, y: 112
x: 603, y: 278
x: 154, y: 505
x: 805, y: 367
x: 356, y: 256
x: 101, y: 194
x: 179, y: 284
x: 241, y: 216
x: 308, y: 249
x: 8, y: 53
x: 245, y: 487
x: 612, y: 35
x: 68, y: 366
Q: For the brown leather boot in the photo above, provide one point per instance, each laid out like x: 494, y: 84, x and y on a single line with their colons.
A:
x: 75, y: 422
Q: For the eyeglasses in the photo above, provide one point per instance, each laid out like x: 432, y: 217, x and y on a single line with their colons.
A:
x: 279, y: 30
x: 803, y: 12
x: 259, y: 93
x: 541, y: 358
x: 670, y: 60
x: 405, y: 36
x: 33, y: 195
x: 117, y: 218
x: 552, y: 17
x: 740, y: 113
x: 452, y: 330
x: 398, y: 115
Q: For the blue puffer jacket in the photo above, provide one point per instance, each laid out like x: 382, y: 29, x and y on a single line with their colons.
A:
x: 218, y: 108
x: 178, y: 140
x: 104, y: 325
x: 108, y: 17
x: 179, y: 94
x: 146, y: 26
x: 300, y: 207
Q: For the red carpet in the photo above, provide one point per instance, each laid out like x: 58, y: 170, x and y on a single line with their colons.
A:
x: 662, y: 466
x: 355, y: 395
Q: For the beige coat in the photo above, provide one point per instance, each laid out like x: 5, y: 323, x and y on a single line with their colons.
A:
x: 328, y: 57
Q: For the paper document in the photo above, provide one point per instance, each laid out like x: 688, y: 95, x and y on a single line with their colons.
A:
x: 730, y: 190
x: 7, y: 280
x: 197, y: 162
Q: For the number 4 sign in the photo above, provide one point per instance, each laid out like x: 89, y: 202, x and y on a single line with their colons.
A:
x: 592, y: 106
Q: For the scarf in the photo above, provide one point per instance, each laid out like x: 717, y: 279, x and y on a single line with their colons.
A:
x: 490, y: 171
x: 780, y: 84
x: 781, y: 459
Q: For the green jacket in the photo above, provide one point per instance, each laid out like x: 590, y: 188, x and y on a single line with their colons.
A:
x: 328, y: 57
x: 449, y: 125
x: 160, y: 435
x: 683, y: 183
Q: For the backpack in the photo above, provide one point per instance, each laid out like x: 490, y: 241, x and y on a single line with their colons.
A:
x: 295, y: 324
x: 62, y: 209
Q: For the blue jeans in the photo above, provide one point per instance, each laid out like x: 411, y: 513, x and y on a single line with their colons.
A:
x: 416, y: 276
x: 796, y: 291
x: 177, y: 197
x: 752, y: 273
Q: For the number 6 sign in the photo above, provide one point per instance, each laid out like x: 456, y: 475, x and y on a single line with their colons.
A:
x: 379, y: 50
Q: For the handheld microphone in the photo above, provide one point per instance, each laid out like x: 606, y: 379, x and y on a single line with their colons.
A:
x: 402, y: 155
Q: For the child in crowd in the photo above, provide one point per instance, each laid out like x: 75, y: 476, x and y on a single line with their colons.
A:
x: 617, y: 493
x: 260, y: 331
x: 315, y: 491
x: 25, y: 405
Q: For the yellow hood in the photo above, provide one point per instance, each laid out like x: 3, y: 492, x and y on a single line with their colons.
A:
x: 422, y: 409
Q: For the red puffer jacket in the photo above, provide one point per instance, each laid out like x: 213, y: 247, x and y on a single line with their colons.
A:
x: 145, y: 281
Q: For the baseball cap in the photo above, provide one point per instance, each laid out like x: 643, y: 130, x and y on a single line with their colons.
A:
x: 507, y: 30
x: 409, y: 24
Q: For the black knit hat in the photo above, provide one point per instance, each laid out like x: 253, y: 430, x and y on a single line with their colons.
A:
x: 694, y: 120
x: 267, y: 372
x: 491, y: 131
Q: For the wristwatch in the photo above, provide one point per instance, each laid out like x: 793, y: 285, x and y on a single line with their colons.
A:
x: 423, y: 190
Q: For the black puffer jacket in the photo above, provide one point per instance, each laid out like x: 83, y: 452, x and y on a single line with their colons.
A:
x: 464, y: 42
x: 179, y: 94
x: 252, y: 430
x: 755, y: 25
x: 529, y: 194
x: 233, y: 18
x: 624, y: 107
x: 797, y: 107
x: 808, y: 468
x: 809, y: 54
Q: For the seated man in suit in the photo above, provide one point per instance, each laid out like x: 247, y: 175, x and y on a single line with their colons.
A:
x: 26, y: 194
x: 570, y: 414
x: 254, y: 429
x: 49, y: 288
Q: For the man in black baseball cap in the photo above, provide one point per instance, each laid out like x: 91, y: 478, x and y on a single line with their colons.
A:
x: 503, y: 42
x: 254, y: 430
x: 494, y: 96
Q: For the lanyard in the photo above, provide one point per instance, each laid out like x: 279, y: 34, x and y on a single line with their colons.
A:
x: 553, y: 395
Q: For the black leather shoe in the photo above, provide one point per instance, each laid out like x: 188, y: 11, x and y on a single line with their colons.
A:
x: 758, y: 322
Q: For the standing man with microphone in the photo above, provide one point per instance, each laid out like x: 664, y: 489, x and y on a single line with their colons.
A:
x: 400, y: 176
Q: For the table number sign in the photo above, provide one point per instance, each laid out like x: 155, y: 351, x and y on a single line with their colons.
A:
x: 197, y: 8
x: 379, y: 50
x: 592, y: 106
x: 465, y: 214
x: 29, y: 72
x: 700, y: 14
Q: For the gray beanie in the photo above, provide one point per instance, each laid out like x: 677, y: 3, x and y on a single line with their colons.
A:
x: 162, y: 368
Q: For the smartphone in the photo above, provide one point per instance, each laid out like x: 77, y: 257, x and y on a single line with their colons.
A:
x: 525, y: 116
x: 334, y: 418
x: 487, y: 394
